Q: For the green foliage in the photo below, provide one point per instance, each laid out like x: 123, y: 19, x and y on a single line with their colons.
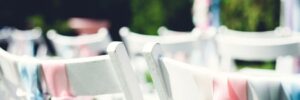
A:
x: 148, y: 77
x: 178, y: 14
x: 59, y: 25
x: 36, y: 21
x: 255, y: 64
x: 250, y: 15
x: 148, y: 16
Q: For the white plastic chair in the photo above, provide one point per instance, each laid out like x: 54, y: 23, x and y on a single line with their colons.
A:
x: 178, y: 47
x: 206, y: 53
x: 175, y: 80
x: 173, y: 45
x: 165, y: 31
x: 255, y: 46
x: 74, y: 46
x: 11, y: 76
x: 89, y: 76
x: 104, y: 74
x: 178, y: 81
x: 23, y: 42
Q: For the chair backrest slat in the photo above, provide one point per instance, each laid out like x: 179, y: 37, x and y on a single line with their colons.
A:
x: 122, y: 66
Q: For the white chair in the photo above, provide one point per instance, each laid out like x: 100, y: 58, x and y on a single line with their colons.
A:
x: 254, y: 46
x: 165, y: 31
x: 7, y: 90
x: 178, y: 81
x: 206, y: 46
x: 175, y: 80
x: 104, y: 74
x: 180, y: 45
x: 79, y: 46
x: 205, y: 34
x: 26, y: 42
x: 89, y: 76
x: 11, y: 76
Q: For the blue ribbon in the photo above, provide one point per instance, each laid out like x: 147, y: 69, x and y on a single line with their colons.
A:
x: 215, y: 10
x: 31, y: 78
x: 295, y: 95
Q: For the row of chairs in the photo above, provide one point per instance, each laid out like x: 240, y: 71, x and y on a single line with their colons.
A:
x: 113, y: 73
x: 228, y: 44
x: 197, y: 47
x: 220, y: 47
x: 23, y: 42
x: 64, y: 79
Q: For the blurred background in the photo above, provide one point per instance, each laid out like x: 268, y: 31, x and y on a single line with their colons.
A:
x: 75, y: 17
x: 55, y: 29
x: 142, y: 16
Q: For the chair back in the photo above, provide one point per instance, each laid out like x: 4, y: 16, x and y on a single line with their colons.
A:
x: 176, y: 80
x: 181, y: 47
x: 26, y: 42
x: 70, y: 78
x: 254, y: 46
x: 206, y: 53
x: 80, y: 46
x: 165, y: 31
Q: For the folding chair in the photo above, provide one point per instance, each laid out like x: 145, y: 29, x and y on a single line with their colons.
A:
x: 165, y: 31
x: 206, y: 46
x: 26, y: 42
x: 80, y: 46
x: 175, y: 80
x: 178, y: 81
x: 106, y: 74
x: 180, y: 45
x: 71, y: 78
x: 254, y: 46
x: 17, y: 69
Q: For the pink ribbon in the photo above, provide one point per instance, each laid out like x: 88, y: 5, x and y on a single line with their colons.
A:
x: 237, y: 88
x: 229, y: 88
x: 57, y: 80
